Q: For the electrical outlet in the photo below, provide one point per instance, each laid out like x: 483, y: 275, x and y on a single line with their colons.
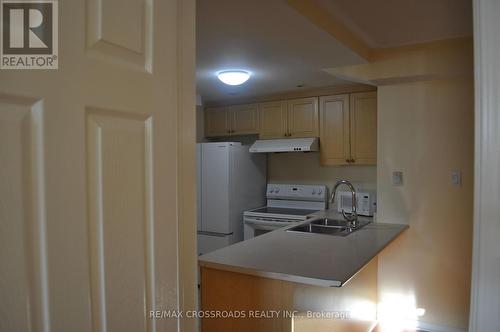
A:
x: 397, y: 178
x: 456, y: 178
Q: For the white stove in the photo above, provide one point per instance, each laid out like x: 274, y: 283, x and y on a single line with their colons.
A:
x: 286, y: 204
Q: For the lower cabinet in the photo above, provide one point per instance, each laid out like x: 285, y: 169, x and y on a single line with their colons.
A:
x: 226, y: 291
x: 348, y: 129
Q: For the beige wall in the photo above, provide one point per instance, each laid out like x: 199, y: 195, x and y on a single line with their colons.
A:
x: 200, y: 124
x: 304, y: 168
x: 426, y: 131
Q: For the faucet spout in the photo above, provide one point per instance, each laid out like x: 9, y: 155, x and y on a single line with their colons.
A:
x: 352, y: 216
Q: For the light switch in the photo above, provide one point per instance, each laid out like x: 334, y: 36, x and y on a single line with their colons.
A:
x: 456, y: 178
x: 397, y: 178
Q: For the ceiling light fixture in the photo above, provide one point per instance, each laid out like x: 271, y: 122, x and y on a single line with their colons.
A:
x: 233, y: 77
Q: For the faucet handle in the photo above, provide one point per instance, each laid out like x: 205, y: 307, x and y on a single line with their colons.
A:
x: 351, y: 219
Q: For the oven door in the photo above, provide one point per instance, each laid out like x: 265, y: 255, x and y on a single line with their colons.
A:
x: 255, y: 226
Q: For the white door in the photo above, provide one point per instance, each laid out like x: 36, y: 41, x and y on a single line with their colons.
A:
x: 88, y: 169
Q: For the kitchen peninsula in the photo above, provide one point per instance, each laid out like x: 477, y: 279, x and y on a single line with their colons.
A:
x: 286, y: 270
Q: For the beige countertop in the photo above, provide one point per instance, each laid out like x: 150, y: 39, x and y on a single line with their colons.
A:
x: 316, y: 259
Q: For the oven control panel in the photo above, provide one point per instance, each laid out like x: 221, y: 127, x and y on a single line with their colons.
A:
x: 297, y: 192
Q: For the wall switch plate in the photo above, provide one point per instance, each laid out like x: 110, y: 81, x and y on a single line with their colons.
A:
x: 397, y: 178
x: 456, y: 178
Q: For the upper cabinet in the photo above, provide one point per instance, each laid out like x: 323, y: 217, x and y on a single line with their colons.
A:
x: 346, y: 124
x: 348, y: 129
x: 364, y: 128
x: 303, y: 117
x: 217, y: 122
x: 273, y: 117
x: 290, y: 118
x: 334, y: 120
x: 244, y: 119
x: 232, y: 120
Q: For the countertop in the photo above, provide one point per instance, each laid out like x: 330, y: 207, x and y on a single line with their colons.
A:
x: 315, y: 259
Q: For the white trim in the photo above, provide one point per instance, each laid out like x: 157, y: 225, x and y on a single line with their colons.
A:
x: 485, y: 295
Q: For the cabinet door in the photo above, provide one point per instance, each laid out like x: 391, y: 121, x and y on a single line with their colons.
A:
x: 272, y: 119
x: 364, y: 128
x: 303, y: 117
x: 334, y: 130
x: 244, y: 119
x: 216, y: 122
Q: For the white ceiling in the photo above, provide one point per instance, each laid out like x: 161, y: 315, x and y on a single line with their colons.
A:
x: 284, y: 49
x: 277, y: 44
x: 392, y: 23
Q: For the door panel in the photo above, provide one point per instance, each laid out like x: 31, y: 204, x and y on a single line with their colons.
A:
x: 273, y: 119
x: 120, y: 186
x: 217, y: 122
x: 303, y: 117
x: 90, y: 157
x: 245, y: 119
x: 334, y: 130
x: 23, y: 275
x: 364, y: 128
x: 120, y: 31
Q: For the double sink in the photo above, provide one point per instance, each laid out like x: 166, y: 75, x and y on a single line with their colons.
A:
x: 329, y: 226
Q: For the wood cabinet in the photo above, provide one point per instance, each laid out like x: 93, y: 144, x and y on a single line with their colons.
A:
x: 289, y: 118
x: 348, y: 129
x: 244, y: 119
x: 235, y: 292
x: 303, y: 117
x: 363, y: 126
x: 232, y: 120
x: 273, y: 119
x: 334, y: 130
x: 216, y: 122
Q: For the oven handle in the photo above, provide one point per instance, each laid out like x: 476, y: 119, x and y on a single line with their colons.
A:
x: 266, y: 224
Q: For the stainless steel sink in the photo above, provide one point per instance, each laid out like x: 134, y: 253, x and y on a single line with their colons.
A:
x: 329, y: 226
x: 330, y: 222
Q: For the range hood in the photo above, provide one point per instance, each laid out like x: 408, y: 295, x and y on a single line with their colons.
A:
x: 285, y: 145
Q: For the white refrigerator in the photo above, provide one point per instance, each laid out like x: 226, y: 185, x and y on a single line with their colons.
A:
x: 230, y: 181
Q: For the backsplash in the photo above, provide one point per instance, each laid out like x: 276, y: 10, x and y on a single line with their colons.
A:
x: 304, y: 168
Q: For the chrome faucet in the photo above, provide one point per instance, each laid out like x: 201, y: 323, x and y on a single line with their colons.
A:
x: 351, y: 217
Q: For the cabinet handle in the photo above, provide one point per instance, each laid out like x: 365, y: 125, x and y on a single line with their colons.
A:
x: 353, y: 161
x: 347, y: 160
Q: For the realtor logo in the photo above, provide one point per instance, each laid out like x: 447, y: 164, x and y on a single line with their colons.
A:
x: 29, y: 34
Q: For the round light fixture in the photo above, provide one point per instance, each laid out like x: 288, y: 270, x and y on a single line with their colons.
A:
x: 233, y: 77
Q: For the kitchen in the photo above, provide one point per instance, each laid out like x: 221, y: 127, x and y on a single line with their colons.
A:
x: 397, y: 127
x: 266, y: 165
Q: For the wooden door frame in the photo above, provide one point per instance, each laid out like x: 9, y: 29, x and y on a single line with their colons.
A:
x: 186, y: 167
x: 485, y: 303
